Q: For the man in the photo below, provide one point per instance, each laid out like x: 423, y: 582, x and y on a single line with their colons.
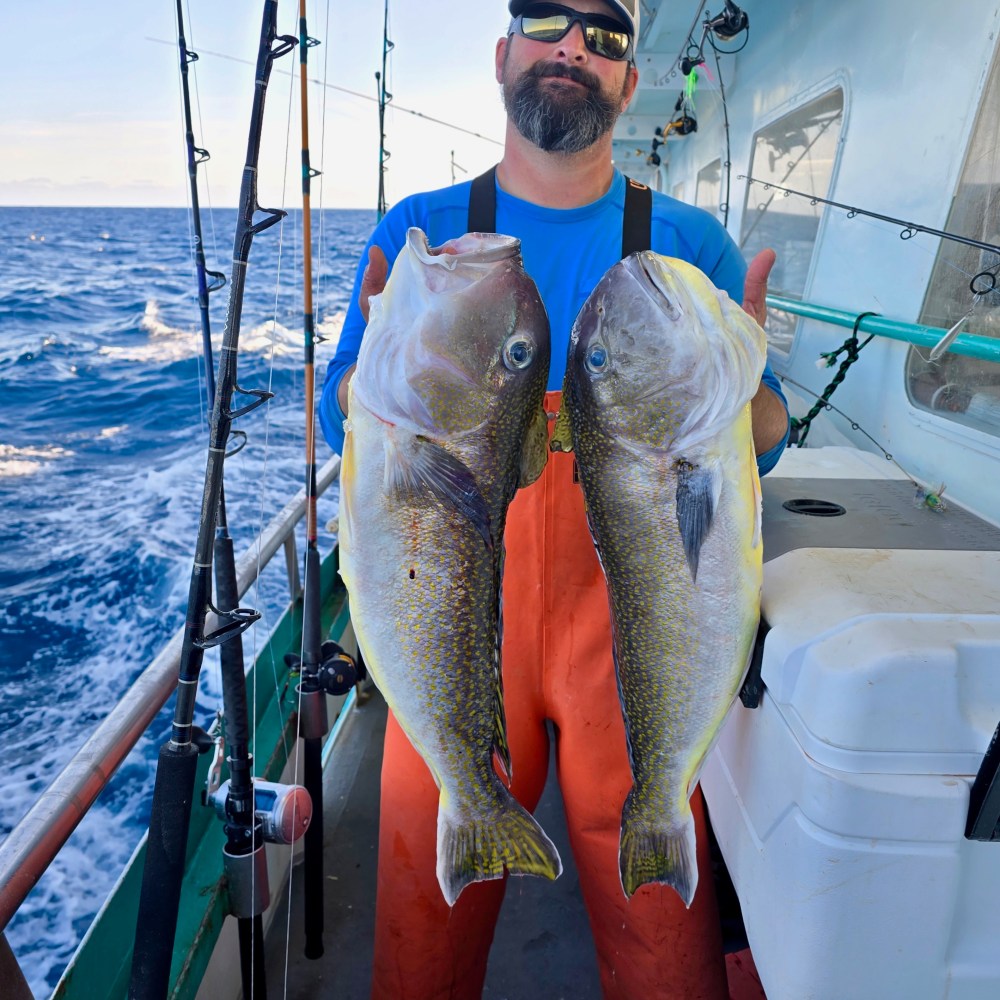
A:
x: 567, y: 73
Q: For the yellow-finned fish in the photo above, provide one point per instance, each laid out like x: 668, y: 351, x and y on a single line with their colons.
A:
x: 661, y: 370
x: 445, y: 423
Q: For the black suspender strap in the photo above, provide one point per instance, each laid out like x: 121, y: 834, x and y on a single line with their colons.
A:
x: 483, y: 203
x: 638, y: 220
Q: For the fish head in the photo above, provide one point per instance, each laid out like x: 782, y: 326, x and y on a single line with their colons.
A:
x: 458, y: 337
x: 662, y: 355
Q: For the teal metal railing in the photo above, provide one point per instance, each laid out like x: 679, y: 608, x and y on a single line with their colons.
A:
x: 970, y: 344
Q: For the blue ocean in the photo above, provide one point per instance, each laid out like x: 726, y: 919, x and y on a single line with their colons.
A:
x: 103, y: 437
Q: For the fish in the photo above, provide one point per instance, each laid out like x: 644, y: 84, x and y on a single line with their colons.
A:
x: 445, y: 423
x: 656, y: 405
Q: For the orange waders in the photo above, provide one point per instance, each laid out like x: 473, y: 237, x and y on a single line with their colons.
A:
x: 557, y: 665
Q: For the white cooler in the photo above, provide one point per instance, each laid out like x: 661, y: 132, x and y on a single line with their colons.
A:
x: 840, y: 803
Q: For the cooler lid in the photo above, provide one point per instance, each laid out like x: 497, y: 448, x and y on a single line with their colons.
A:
x: 886, y: 661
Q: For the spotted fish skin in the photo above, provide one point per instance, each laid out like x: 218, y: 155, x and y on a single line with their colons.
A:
x: 445, y: 423
x: 661, y: 370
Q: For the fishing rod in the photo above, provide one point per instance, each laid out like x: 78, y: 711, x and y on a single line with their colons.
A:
x: 263, y: 814
x: 981, y: 284
x: 234, y: 725
x: 384, y: 97
x: 323, y: 668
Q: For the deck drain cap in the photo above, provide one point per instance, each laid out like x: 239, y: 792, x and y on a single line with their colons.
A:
x: 814, y: 508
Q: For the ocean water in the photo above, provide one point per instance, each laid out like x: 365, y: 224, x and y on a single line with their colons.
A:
x: 103, y: 436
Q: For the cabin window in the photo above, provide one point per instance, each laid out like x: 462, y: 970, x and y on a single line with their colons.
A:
x: 709, y: 187
x: 964, y: 389
x: 797, y: 151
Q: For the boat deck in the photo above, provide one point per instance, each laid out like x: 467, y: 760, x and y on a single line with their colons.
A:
x: 542, y: 950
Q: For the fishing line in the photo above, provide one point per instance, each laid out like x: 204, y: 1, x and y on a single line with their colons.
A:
x: 929, y: 498
x: 203, y: 401
x: 353, y: 93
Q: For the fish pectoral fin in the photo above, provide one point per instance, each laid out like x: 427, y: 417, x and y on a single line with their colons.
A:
x: 562, y: 433
x: 535, y: 452
x: 698, y: 489
x: 415, y: 465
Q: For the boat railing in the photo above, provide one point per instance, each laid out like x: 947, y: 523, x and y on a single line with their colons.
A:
x: 970, y: 344
x: 37, y: 839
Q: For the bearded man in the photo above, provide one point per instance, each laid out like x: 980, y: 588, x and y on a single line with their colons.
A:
x: 567, y: 73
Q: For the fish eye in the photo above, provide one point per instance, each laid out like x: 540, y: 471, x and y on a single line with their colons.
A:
x: 518, y: 353
x: 597, y: 358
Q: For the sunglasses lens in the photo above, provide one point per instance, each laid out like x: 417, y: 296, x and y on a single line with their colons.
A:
x: 545, y: 29
x: 610, y: 44
x: 549, y: 23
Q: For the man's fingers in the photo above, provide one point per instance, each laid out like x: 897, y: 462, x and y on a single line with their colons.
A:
x: 755, y: 286
x: 373, y: 280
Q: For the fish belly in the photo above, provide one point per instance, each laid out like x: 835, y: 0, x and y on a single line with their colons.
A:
x: 682, y: 646
x: 422, y: 587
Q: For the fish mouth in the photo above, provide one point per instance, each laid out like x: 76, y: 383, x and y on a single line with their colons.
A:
x: 655, y: 284
x: 472, y: 248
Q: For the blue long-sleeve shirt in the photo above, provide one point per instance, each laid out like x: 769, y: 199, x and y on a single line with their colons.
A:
x: 566, y: 252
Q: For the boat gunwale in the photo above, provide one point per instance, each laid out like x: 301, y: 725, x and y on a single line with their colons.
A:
x: 37, y: 839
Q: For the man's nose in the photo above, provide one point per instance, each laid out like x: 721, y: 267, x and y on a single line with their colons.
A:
x: 572, y: 45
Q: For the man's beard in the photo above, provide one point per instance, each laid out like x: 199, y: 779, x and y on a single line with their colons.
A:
x: 564, y: 119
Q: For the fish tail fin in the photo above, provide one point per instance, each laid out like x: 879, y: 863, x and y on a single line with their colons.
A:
x: 482, y: 848
x: 650, y: 853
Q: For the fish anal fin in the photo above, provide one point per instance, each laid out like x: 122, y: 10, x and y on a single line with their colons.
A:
x: 415, y: 465
x: 535, y: 452
x: 698, y: 489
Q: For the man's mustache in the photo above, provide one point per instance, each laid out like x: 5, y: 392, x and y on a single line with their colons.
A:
x: 541, y: 70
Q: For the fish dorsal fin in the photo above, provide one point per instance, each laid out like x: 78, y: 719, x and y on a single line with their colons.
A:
x: 500, y: 746
x: 562, y: 433
x: 535, y: 452
x: 415, y: 465
x: 698, y: 488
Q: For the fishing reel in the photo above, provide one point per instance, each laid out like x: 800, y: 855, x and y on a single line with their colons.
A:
x: 335, y: 674
x: 729, y: 23
x: 283, y: 811
x: 281, y: 815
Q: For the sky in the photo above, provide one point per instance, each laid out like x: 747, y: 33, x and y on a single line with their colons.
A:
x: 91, y: 115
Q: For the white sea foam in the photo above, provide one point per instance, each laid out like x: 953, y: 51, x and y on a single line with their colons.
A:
x: 27, y: 461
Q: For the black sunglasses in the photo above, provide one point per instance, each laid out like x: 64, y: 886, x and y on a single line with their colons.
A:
x: 549, y: 22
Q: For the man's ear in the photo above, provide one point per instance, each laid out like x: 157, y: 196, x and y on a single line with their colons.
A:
x: 498, y: 57
x: 631, y: 82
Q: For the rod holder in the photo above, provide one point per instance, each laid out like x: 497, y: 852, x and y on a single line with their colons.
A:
x: 246, y: 880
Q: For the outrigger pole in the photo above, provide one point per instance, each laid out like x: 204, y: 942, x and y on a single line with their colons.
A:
x: 323, y: 667
x: 173, y: 791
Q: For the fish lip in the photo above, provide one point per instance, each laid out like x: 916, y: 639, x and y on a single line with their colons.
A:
x: 472, y: 248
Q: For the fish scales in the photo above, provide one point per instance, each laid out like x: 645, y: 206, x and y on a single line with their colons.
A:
x: 656, y: 406
x: 445, y: 422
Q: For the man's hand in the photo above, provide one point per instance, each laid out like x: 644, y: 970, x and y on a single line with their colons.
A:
x: 755, y: 286
x: 372, y: 283
x: 767, y: 413
x: 374, y: 278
